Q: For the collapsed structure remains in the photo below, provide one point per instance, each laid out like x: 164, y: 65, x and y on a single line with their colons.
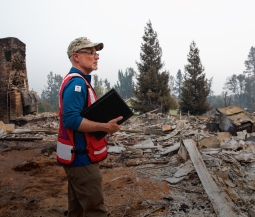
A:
x: 15, y: 98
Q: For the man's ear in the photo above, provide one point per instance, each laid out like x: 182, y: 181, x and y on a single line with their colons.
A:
x: 75, y: 57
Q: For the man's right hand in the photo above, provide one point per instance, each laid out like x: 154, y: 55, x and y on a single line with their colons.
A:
x: 113, y: 126
x: 90, y: 126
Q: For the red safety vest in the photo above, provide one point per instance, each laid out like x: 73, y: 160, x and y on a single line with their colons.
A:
x: 95, y: 149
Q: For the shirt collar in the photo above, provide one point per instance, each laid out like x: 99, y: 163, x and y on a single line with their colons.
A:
x: 75, y: 70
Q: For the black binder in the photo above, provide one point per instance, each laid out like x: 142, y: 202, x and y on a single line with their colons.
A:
x: 106, y: 108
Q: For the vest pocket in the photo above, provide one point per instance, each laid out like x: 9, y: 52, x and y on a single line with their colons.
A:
x: 97, y: 150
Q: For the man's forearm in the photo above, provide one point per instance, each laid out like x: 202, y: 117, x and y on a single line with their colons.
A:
x: 91, y: 126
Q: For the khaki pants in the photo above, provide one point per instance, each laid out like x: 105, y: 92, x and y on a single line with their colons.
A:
x: 85, y: 196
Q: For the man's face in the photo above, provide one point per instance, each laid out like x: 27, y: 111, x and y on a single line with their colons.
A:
x: 87, y: 59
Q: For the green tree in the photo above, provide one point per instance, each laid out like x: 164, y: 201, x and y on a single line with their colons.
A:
x: 241, y: 84
x: 235, y: 85
x: 125, y: 83
x: 50, y: 93
x: 171, y: 85
x: 178, y: 84
x: 152, y: 87
x: 211, y: 94
x: 216, y: 101
x: 107, y: 85
x: 250, y: 62
x: 226, y: 97
x: 232, y: 84
x: 171, y: 82
x: 45, y: 106
x: 250, y: 93
x: 250, y: 80
x: 98, y: 85
x: 195, y: 89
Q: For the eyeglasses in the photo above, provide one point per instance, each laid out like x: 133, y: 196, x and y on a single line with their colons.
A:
x: 91, y: 53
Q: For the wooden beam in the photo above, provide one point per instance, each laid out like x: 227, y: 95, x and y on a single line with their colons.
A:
x: 20, y: 138
x: 222, y: 204
x: 46, y: 131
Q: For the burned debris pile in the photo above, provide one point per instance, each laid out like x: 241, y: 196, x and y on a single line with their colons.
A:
x: 209, y: 171
x: 42, y: 126
x: 233, y: 118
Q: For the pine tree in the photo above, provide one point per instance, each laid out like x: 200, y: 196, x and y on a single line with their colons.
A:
x: 241, y: 84
x: 211, y: 94
x: 235, y: 85
x: 51, y: 91
x: 152, y: 88
x: 98, y: 85
x: 178, y: 83
x: 107, y: 85
x: 171, y: 86
x: 250, y: 62
x: 250, y: 93
x: 250, y: 80
x: 125, y: 83
x: 195, y: 89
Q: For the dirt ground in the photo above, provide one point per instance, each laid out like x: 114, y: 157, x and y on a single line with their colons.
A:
x: 33, y: 184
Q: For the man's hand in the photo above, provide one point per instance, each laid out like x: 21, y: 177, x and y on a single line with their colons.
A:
x: 113, y: 126
x: 90, y: 126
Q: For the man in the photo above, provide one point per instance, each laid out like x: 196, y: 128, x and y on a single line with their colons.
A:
x: 74, y: 145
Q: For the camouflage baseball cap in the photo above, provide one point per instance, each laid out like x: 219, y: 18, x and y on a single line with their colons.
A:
x: 80, y: 43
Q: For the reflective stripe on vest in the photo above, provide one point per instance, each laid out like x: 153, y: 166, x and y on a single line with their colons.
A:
x: 100, y: 152
x: 91, y: 95
x: 64, y: 151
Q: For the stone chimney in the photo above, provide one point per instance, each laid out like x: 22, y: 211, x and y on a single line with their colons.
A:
x: 13, y: 79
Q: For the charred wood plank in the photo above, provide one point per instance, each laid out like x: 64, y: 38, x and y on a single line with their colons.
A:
x: 20, y: 138
x: 137, y: 163
x: 46, y: 131
x: 222, y: 204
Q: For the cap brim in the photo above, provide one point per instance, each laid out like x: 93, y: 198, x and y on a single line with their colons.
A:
x: 98, y: 46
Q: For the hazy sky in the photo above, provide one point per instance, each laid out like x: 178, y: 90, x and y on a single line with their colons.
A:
x: 223, y: 30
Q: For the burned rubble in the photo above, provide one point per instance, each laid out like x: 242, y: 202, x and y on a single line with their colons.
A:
x: 202, y: 172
